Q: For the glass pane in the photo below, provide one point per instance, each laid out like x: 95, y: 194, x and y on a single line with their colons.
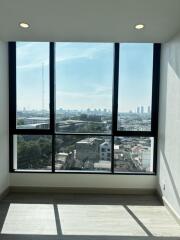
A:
x: 32, y: 72
x: 135, y: 86
x: 84, y: 73
x: 84, y: 153
x: 133, y: 154
x: 32, y: 152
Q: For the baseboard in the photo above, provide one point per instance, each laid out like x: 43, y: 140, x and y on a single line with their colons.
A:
x: 159, y: 196
x: 69, y: 190
x: 171, y: 210
x: 4, y: 193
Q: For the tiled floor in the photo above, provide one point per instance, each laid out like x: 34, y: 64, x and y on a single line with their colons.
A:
x: 84, y: 217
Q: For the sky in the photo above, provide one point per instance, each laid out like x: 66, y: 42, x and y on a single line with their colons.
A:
x: 84, y: 75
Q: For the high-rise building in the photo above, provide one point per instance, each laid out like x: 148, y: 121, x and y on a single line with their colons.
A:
x: 105, y: 110
x: 87, y: 149
x: 149, y: 109
x: 138, y: 110
x: 105, y: 150
x: 142, y: 109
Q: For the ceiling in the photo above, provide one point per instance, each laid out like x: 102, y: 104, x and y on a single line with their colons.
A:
x: 89, y: 20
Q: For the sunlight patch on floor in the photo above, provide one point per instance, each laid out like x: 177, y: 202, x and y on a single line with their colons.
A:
x: 105, y: 220
x: 90, y: 220
x: 30, y: 219
x: 157, y: 220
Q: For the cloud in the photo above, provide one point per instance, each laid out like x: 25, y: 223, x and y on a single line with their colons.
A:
x: 80, y: 50
x: 99, y: 92
x: 33, y: 55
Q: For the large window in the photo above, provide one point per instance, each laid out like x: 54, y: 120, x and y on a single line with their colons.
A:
x: 83, y: 107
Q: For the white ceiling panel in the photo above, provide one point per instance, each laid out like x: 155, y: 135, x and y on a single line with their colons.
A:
x: 89, y: 20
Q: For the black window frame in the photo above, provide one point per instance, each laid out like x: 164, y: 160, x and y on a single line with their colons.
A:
x: 52, y: 129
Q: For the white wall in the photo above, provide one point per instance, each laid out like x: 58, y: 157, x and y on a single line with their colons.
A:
x: 169, y: 123
x: 84, y: 181
x: 4, y: 126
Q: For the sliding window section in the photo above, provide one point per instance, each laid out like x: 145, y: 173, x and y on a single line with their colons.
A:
x: 30, y: 107
x: 32, y: 153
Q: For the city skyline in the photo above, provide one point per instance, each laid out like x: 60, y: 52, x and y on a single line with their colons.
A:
x: 137, y: 110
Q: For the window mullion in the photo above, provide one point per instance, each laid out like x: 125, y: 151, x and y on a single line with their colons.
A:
x: 115, y: 101
x: 155, y: 89
x: 12, y: 87
x: 52, y: 86
x: 115, y: 88
x: 52, y: 99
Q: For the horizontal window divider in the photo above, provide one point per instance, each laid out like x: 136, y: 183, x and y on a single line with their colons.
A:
x: 134, y: 134
x: 31, y: 171
x: 49, y: 132
x: 85, y: 134
x: 32, y: 132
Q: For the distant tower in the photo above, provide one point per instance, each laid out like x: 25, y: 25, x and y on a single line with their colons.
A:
x: 142, y: 109
x: 138, y: 110
x: 43, y: 88
x: 149, y: 109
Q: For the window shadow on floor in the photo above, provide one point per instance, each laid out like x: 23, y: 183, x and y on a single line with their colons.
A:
x: 57, y: 200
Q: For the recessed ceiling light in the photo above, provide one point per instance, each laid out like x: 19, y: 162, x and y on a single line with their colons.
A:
x: 24, y: 25
x: 139, y: 26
